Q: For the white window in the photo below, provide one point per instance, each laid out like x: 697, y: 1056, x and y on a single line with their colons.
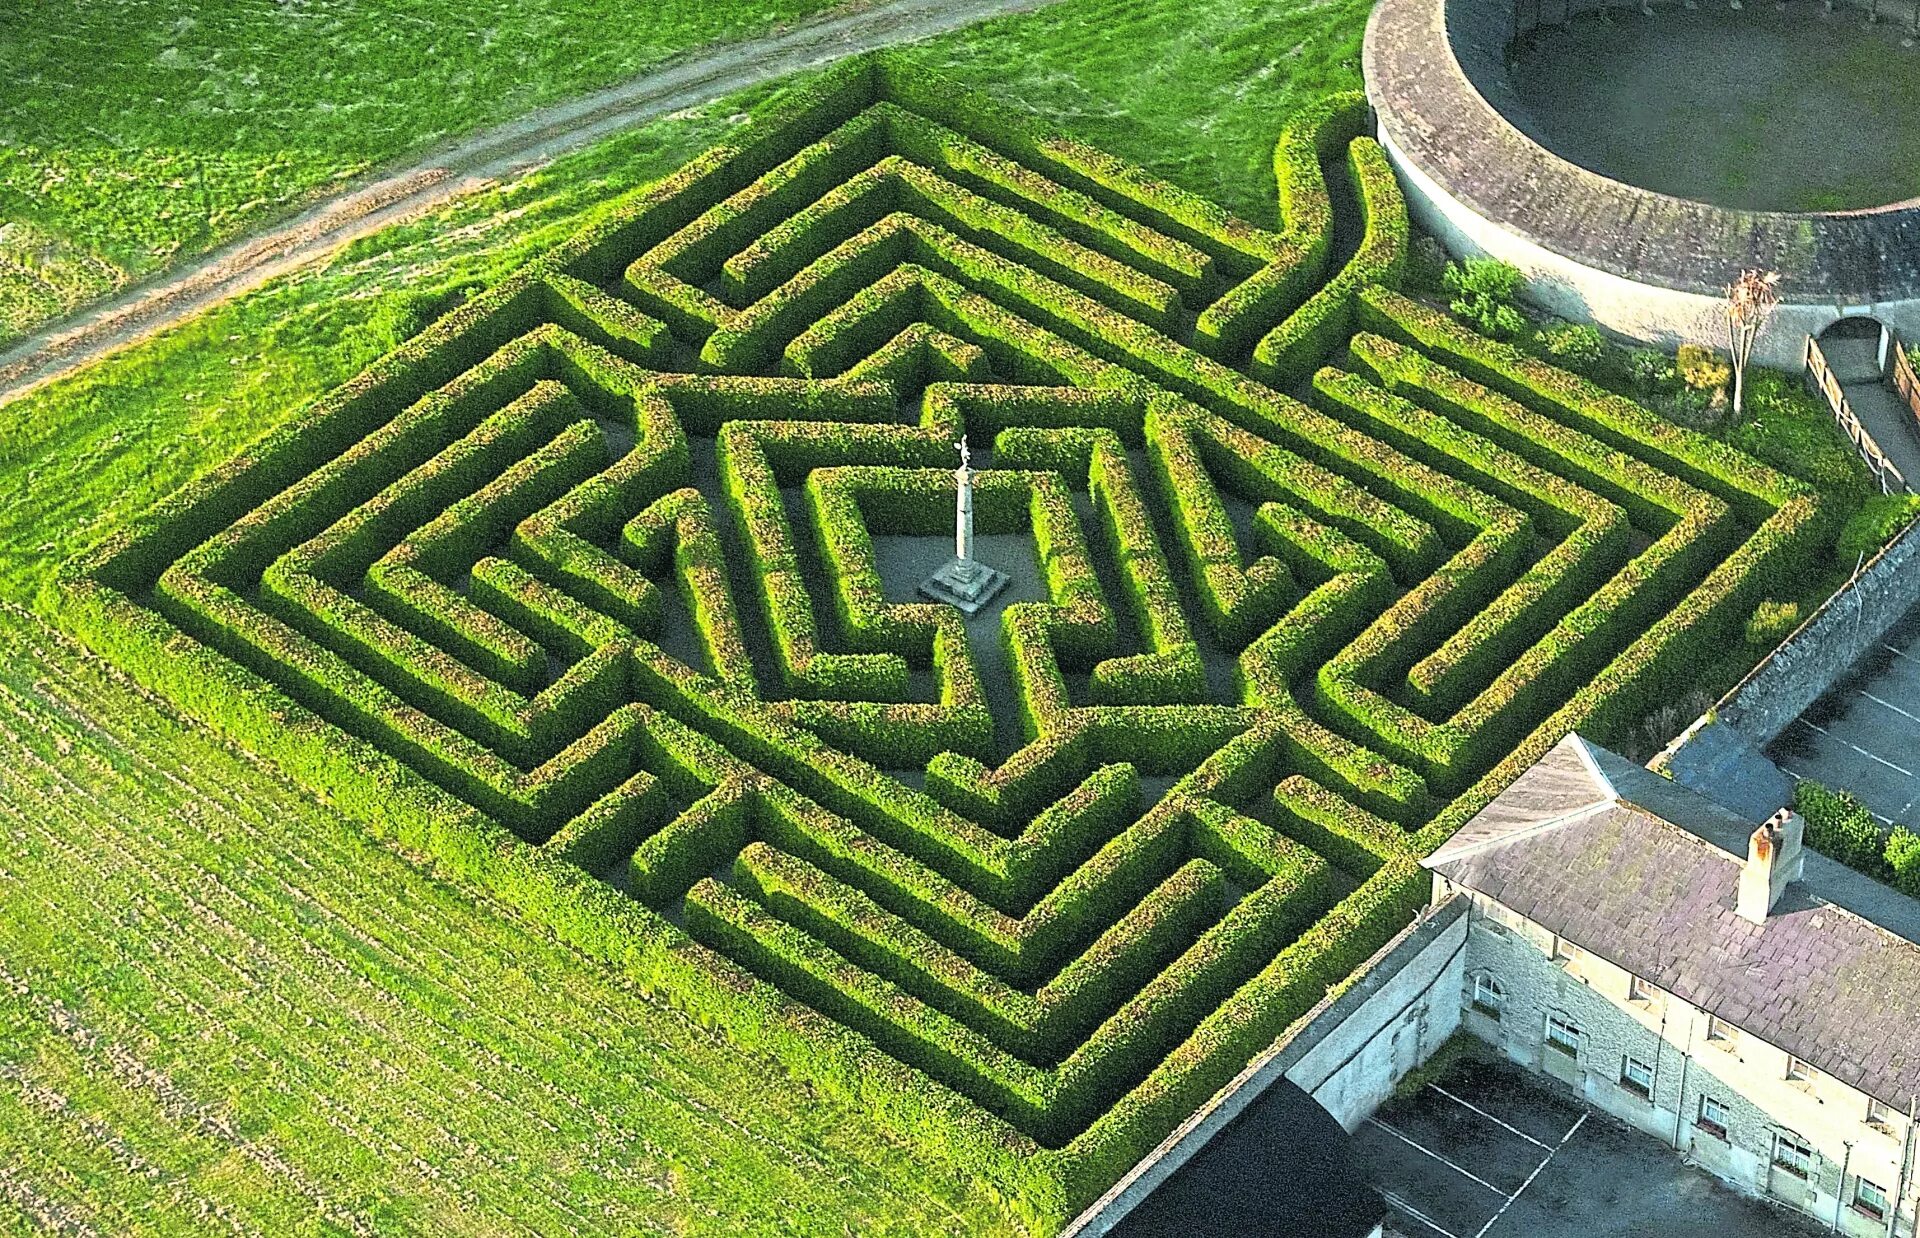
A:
x: 1639, y: 990
x: 1869, y: 1198
x: 1793, y: 1154
x: 1488, y: 997
x: 1713, y: 1116
x: 1563, y: 1036
x: 1799, y: 1070
x: 1565, y: 951
x: 1880, y: 1117
x: 1636, y: 1076
x: 1720, y: 1030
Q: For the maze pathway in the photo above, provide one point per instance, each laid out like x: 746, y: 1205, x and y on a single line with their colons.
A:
x: 583, y: 593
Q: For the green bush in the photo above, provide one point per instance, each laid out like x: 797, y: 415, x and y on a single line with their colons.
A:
x: 1771, y: 622
x: 1484, y: 291
x: 1840, y: 827
x: 1874, y: 525
x: 1902, y: 857
x: 1575, y: 346
x: 1701, y: 368
x: 1649, y: 370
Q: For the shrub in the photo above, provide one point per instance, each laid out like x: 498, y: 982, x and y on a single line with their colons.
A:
x: 1577, y: 346
x: 1649, y: 370
x: 1840, y: 827
x: 1903, y: 859
x: 1702, y: 368
x: 1770, y: 623
x: 1484, y: 291
x: 1874, y: 525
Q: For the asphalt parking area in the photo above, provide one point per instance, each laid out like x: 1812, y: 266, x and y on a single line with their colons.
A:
x: 1490, y: 1151
x: 1864, y: 734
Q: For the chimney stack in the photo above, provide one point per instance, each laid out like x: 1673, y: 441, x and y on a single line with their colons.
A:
x: 1774, y: 861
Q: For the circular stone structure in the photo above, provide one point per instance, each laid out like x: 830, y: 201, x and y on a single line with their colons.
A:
x: 1456, y: 121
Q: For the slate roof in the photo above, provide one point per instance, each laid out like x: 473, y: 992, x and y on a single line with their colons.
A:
x: 1435, y: 73
x: 1642, y: 873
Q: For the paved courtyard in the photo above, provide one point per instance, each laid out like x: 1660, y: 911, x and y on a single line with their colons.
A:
x: 1490, y: 1151
x: 1863, y: 736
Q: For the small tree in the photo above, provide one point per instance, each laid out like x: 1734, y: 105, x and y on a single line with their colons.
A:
x: 1750, y: 301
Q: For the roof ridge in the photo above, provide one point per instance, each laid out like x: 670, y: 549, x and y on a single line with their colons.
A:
x: 1538, y: 827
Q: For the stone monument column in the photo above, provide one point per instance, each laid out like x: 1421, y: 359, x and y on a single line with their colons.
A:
x: 964, y: 581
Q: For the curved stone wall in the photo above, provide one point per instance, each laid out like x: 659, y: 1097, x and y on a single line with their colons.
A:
x: 1642, y: 264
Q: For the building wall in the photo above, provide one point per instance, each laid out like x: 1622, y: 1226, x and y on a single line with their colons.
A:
x: 1347, y: 1053
x: 1359, y: 1055
x: 1642, y: 312
x: 1744, y: 1074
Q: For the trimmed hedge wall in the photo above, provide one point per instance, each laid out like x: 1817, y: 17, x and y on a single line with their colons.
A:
x: 577, y: 594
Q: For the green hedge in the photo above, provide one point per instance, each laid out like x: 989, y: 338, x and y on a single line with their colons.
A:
x: 446, y: 596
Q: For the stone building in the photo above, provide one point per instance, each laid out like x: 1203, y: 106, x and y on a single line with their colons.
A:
x: 1753, y: 1004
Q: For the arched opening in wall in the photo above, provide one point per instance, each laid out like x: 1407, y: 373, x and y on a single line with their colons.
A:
x: 1853, y: 348
x: 1853, y: 326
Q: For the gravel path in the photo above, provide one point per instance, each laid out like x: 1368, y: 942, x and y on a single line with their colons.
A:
x: 461, y: 167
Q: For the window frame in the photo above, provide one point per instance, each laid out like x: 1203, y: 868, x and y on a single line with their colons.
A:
x: 1627, y: 1081
x: 1638, y: 990
x: 1879, y: 1212
x: 1721, y: 1032
x: 1496, y: 1009
x: 1716, y: 1127
x: 1882, y: 1117
x: 1799, y: 1070
x: 1556, y: 1023
x: 1564, y: 953
x: 1783, y: 1139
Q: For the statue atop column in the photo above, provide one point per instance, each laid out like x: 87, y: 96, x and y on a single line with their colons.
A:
x: 964, y: 582
x: 963, y: 506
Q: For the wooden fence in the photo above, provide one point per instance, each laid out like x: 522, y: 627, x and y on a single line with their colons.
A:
x: 1905, y: 381
x: 1828, y: 384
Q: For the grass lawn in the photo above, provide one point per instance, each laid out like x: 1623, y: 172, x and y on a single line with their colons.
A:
x: 1760, y: 109
x: 136, y: 131
x: 222, y: 1005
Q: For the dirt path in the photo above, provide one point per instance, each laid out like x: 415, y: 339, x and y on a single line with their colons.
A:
x: 461, y: 167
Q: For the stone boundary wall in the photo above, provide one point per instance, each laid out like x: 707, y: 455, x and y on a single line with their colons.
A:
x: 1344, y: 1052
x: 1826, y: 646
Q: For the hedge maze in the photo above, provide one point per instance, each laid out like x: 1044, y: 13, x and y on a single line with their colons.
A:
x: 585, y: 593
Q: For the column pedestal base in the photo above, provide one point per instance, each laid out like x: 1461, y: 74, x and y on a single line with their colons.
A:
x: 966, y: 583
